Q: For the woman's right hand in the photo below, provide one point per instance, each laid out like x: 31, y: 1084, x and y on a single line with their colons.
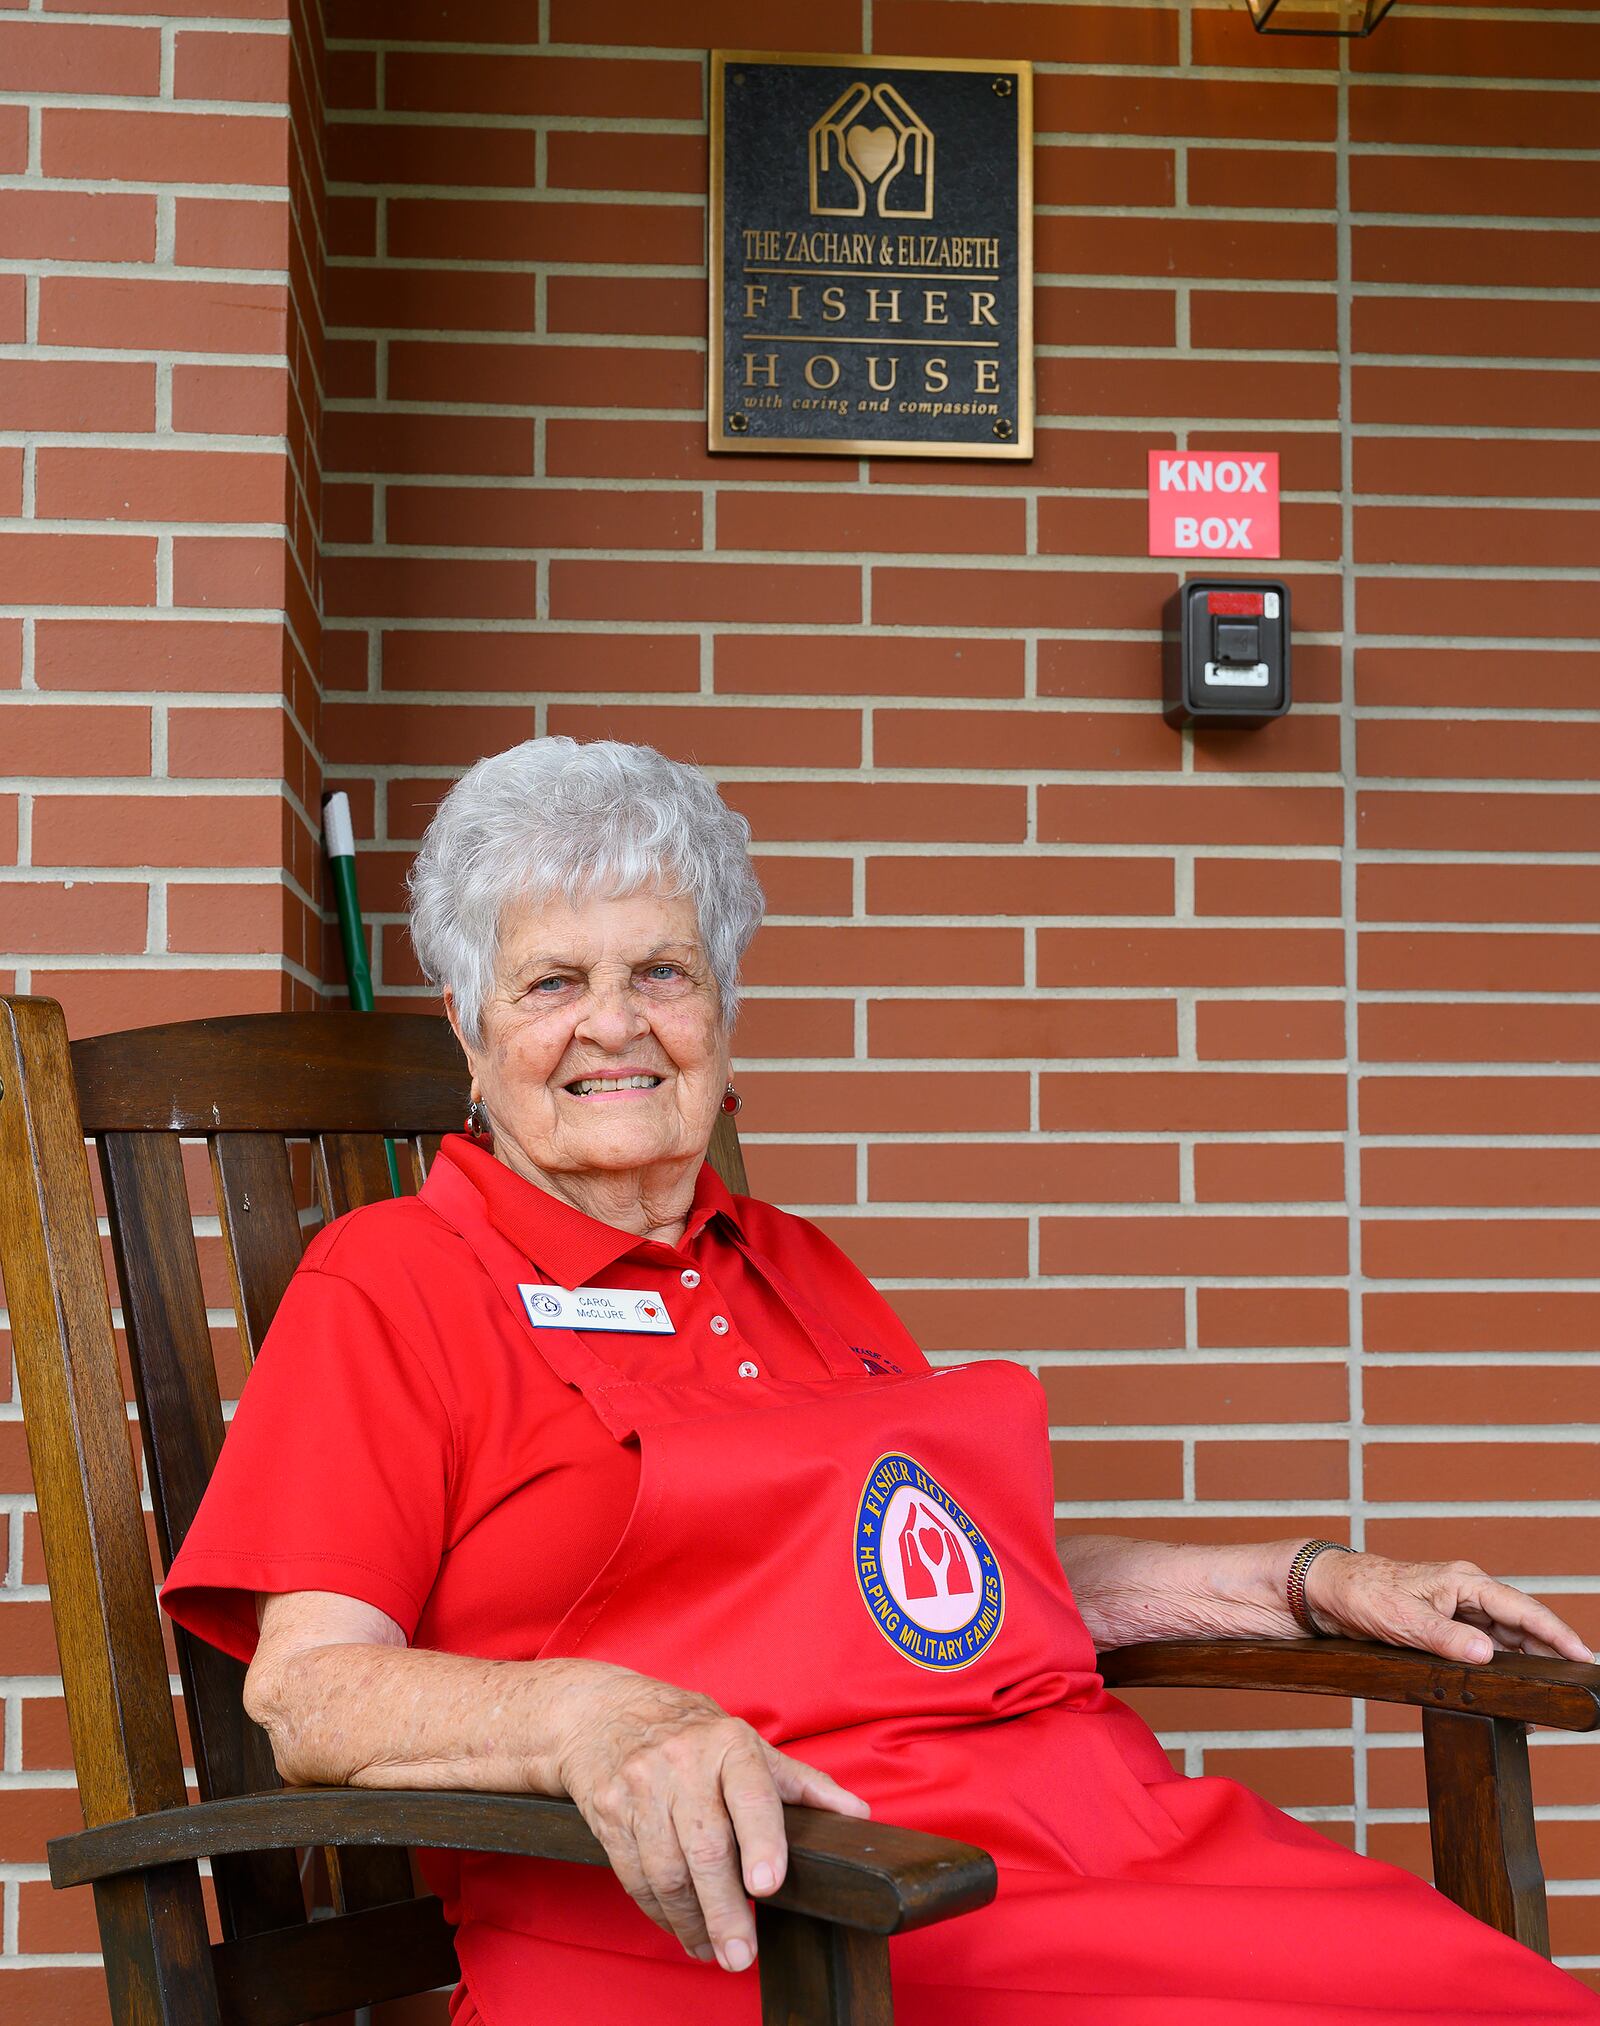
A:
x: 688, y: 1802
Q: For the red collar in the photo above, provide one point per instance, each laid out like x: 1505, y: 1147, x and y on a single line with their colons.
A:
x: 560, y: 1240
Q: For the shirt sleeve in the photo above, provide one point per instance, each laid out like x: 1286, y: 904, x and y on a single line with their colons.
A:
x: 335, y: 1473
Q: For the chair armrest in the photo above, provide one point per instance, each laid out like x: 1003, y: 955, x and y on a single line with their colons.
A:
x: 1564, y: 1694
x: 865, y: 1875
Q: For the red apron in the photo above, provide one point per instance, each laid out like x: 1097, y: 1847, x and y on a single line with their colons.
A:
x: 865, y: 1569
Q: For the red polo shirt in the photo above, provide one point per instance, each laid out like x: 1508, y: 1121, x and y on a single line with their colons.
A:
x: 401, y: 1438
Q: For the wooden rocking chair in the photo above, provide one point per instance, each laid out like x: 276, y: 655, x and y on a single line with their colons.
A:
x: 248, y: 1087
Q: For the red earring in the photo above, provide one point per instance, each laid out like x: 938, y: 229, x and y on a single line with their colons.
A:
x: 731, y: 1100
x: 476, y: 1123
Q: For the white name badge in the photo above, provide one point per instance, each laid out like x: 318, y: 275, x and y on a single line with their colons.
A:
x: 639, y: 1309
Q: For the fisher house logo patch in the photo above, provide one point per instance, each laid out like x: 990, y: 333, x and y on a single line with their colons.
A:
x: 928, y: 1577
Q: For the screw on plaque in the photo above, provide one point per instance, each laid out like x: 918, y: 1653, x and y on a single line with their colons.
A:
x: 1003, y: 87
x: 738, y: 423
x: 1002, y: 429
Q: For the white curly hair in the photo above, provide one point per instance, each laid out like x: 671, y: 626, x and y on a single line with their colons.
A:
x: 583, y: 821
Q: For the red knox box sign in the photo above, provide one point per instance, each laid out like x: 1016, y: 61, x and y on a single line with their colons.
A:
x: 1214, y: 503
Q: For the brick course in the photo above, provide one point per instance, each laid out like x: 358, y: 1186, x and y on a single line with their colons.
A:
x: 1245, y: 1088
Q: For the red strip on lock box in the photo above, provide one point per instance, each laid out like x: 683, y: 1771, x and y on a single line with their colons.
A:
x: 1214, y: 503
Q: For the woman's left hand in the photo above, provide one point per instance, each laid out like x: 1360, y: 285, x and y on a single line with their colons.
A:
x: 1449, y: 1608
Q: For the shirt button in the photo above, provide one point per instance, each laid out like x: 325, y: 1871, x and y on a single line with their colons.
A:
x: 719, y: 1325
x: 749, y: 1371
x: 689, y: 1277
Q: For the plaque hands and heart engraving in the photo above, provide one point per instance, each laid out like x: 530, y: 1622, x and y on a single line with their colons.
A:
x: 898, y: 152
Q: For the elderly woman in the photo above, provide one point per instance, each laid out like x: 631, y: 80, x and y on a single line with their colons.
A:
x: 575, y: 1474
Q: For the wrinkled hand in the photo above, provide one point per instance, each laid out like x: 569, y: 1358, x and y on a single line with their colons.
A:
x: 1449, y: 1608
x: 688, y: 1802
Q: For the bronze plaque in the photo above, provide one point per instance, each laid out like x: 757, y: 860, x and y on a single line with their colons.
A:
x: 871, y: 255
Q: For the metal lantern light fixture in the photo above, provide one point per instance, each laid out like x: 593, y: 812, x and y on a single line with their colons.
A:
x: 1317, y: 17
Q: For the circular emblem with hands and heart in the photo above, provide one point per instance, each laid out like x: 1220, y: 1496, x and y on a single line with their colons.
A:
x: 927, y: 1576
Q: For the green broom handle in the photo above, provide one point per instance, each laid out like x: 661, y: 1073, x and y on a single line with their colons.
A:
x: 338, y: 835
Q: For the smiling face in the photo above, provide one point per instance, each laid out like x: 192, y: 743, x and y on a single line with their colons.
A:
x: 603, y: 1055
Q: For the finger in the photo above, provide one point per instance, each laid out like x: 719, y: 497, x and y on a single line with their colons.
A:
x: 1503, y: 1638
x: 1511, y: 1639
x: 1540, y: 1651
x: 623, y: 1853
x: 1515, y: 1609
x: 668, y: 1876
x: 1506, y: 1638
x: 705, y: 1836
x: 1447, y: 1637
x: 810, y: 1787
x: 750, y: 1795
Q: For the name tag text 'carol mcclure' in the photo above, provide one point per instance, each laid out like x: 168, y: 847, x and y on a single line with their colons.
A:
x: 636, y: 1309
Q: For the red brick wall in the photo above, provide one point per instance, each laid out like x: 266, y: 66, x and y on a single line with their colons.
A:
x: 156, y: 696
x: 1246, y: 1086
x: 158, y: 649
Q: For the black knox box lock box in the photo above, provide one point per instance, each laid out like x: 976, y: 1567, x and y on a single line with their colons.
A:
x: 1226, y: 652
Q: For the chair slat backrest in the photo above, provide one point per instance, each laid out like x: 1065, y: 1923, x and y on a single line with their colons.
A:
x: 260, y: 1222
x: 352, y: 1170
x: 727, y: 1156
x: 180, y: 1419
x: 248, y: 1088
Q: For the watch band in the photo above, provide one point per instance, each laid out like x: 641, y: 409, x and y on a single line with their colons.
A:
x: 1298, y: 1608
